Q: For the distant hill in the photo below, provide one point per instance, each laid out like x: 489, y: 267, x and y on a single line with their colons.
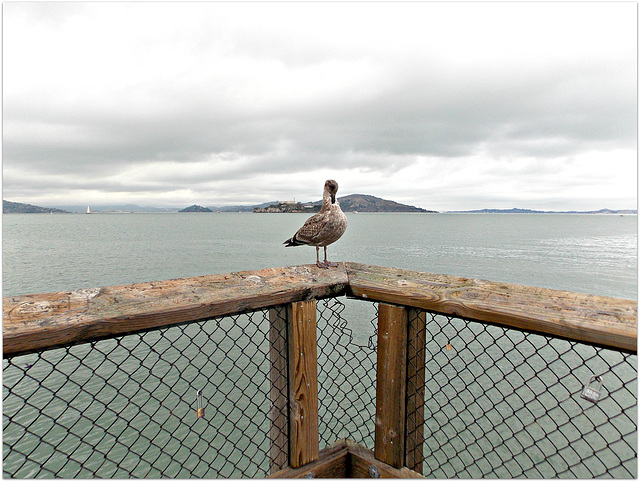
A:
x: 366, y: 203
x: 288, y: 207
x: 195, y: 209
x: 242, y: 208
x: 116, y: 208
x: 606, y: 211
x: 533, y: 211
x: 353, y: 202
x: 9, y: 207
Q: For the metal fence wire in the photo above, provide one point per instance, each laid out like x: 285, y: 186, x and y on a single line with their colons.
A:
x: 347, y: 334
x: 128, y: 406
x: 497, y: 402
x: 504, y: 403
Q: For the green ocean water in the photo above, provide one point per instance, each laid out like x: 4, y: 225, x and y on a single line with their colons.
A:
x: 594, y: 254
x: 125, y: 408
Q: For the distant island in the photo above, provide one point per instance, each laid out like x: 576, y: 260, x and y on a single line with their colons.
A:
x: 533, y: 211
x: 195, y: 209
x: 20, y: 208
x: 288, y: 207
x: 9, y: 207
x: 351, y: 203
x: 241, y: 208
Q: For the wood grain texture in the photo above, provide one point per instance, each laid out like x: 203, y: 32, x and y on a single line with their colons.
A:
x: 278, y: 394
x: 331, y: 464
x: 33, y: 322
x: 343, y: 460
x: 416, y: 363
x: 599, y: 320
x: 391, y: 385
x: 303, y: 383
x: 361, y: 459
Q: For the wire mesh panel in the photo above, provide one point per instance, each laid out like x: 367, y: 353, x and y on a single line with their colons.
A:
x: 503, y: 403
x: 209, y: 399
x: 347, y: 334
x: 180, y: 402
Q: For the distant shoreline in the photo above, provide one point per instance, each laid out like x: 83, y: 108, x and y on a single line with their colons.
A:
x: 364, y: 206
x: 533, y: 211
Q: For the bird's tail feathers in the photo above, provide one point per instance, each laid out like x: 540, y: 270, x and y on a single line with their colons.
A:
x: 293, y: 241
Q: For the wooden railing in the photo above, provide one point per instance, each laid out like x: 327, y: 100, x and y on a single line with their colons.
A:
x: 33, y: 323
x: 38, y: 321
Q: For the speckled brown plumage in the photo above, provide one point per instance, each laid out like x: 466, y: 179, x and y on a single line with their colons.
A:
x: 323, y: 228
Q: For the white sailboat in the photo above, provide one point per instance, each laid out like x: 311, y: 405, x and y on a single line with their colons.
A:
x: 88, y: 210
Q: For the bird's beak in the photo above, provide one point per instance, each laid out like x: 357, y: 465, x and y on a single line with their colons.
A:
x: 333, y: 199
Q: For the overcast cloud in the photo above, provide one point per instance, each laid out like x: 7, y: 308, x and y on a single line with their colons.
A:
x: 441, y: 105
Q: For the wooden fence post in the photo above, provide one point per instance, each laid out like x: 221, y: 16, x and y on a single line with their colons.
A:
x: 304, y: 438
x: 391, y: 385
x: 416, y: 361
x: 279, y: 433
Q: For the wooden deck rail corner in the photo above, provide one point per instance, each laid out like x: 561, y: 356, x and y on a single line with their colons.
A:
x: 346, y: 460
x: 597, y: 320
x: 36, y: 322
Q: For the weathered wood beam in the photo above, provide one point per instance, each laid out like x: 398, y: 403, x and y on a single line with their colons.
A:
x: 33, y: 322
x: 346, y: 459
x: 598, y: 320
x: 362, y: 464
x: 278, y: 393
x: 416, y: 363
x: 331, y: 463
x: 391, y: 380
x: 304, y: 437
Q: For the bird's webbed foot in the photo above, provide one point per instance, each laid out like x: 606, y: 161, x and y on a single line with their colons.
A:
x: 326, y: 264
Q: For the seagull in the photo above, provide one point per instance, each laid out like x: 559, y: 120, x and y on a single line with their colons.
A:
x: 323, y: 228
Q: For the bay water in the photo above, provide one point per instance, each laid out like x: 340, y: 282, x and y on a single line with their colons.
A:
x: 594, y: 254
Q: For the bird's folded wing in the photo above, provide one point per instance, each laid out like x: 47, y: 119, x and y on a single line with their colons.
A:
x: 311, y: 228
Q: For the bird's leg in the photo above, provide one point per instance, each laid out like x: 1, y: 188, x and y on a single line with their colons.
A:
x: 327, y: 263
x: 318, y: 263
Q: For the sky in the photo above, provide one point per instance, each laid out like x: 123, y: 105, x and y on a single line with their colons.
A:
x: 443, y: 105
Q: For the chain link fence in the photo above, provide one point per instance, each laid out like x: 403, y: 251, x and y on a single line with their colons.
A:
x: 128, y: 406
x: 498, y: 402
x: 347, y: 334
x: 501, y: 403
